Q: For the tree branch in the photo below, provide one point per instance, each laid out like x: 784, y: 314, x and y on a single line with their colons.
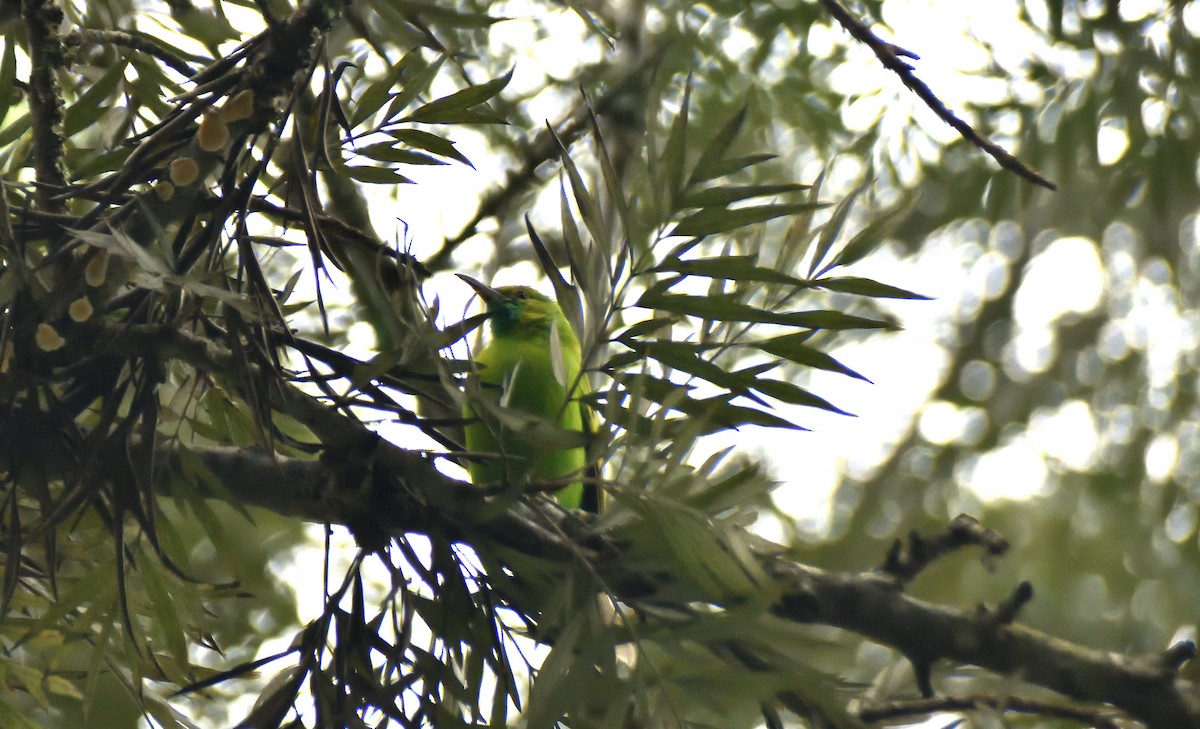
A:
x: 42, y: 19
x: 1147, y: 687
x: 889, y: 55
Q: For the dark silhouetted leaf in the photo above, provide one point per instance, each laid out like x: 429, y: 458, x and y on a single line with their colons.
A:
x: 458, y: 108
x: 376, y: 94
x: 725, y: 195
x: 720, y: 220
x: 431, y: 143
x: 727, y: 308
x: 735, y: 268
x: 709, y: 166
x: 674, y: 155
x: 734, y: 164
x: 8, y: 73
x: 869, y: 238
x: 832, y: 227
x: 385, y: 152
x: 376, y: 175
x: 792, y: 347
x: 866, y: 287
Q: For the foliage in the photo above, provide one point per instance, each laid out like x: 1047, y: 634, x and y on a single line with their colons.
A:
x: 180, y: 233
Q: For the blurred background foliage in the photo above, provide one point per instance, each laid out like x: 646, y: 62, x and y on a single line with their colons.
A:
x: 1084, y: 406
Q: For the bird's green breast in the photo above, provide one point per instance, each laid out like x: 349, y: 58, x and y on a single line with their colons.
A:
x: 518, y: 371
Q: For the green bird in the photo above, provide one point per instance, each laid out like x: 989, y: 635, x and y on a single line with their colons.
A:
x: 529, y: 365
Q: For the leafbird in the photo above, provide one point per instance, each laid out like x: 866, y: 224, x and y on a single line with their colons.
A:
x: 530, y: 365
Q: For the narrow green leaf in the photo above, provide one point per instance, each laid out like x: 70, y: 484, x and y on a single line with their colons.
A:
x: 630, y: 224
x: 724, y: 195
x: 657, y: 389
x: 720, y: 414
x: 13, y: 132
x: 376, y: 175
x: 416, y: 85
x: 431, y: 143
x: 557, y: 686
x: 165, y: 716
x: 688, y: 536
x: 376, y: 94
x: 589, y: 208
x: 567, y: 296
x: 717, y: 412
x: 872, y: 234
x: 720, y: 220
x: 673, y: 156
x: 735, y: 490
x: 445, y: 15
x: 708, y: 166
x: 678, y: 251
x: 89, y: 165
x: 502, y: 693
x: 385, y: 152
x: 866, y: 287
x: 8, y: 73
x: 682, y: 356
x: 576, y: 252
x: 832, y: 227
x: 165, y: 616
x: 25, y: 676
x: 457, y: 107
x: 798, y: 238
x: 276, y: 698
x: 94, y: 589
x: 120, y: 243
x: 460, y: 116
x: 734, y: 268
x: 794, y: 395
x: 589, y: 19
x: 637, y: 331
x: 87, y: 108
x: 734, y: 164
x: 792, y: 347
x: 727, y: 308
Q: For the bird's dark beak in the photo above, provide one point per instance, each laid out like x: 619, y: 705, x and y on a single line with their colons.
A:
x: 487, y: 293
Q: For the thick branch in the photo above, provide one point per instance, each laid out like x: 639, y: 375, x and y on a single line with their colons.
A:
x: 1147, y: 687
x: 45, y: 102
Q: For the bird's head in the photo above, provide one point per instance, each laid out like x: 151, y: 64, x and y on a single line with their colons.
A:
x: 515, y: 309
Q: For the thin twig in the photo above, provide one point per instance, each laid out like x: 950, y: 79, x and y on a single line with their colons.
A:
x: 889, y: 54
x: 907, y: 558
x: 141, y: 43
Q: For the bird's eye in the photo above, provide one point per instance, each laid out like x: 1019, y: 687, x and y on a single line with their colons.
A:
x: 522, y: 295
